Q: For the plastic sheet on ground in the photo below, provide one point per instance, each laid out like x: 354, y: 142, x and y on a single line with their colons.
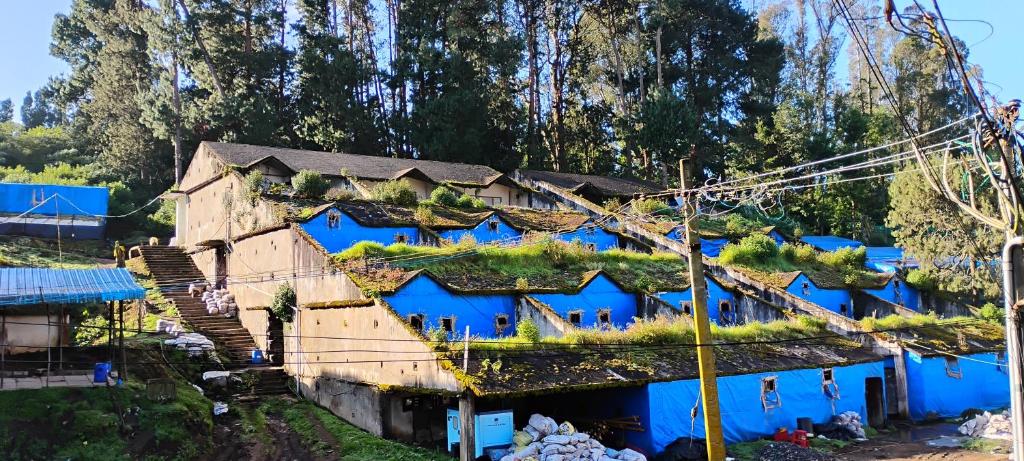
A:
x: 988, y: 426
x: 194, y: 343
x: 219, y: 408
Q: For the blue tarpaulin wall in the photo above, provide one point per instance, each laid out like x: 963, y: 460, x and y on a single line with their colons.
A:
x: 602, y: 239
x: 830, y: 299
x: 709, y: 247
x: 72, y: 200
x: 830, y: 242
x: 22, y: 286
x: 898, y: 292
x: 982, y: 385
x: 666, y: 409
x: 485, y: 232
x: 425, y: 296
x: 348, y: 232
x: 600, y: 293
x: 716, y: 294
x: 71, y: 227
x: 779, y: 239
x: 887, y: 259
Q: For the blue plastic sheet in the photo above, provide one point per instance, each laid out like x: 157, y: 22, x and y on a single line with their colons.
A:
x: 898, y: 292
x: 716, y: 295
x: 22, y: 286
x: 348, y: 232
x: 492, y: 229
x: 425, y: 296
x: 830, y: 242
x: 591, y: 234
x: 888, y: 259
x: 800, y: 392
x: 600, y: 293
x: 71, y: 200
x: 835, y: 300
x: 709, y: 247
x: 932, y: 389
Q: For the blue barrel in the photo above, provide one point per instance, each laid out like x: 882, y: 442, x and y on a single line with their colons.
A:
x: 100, y: 372
x: 257, y: 356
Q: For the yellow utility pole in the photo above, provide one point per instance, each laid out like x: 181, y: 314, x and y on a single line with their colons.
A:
x: 701, y: 324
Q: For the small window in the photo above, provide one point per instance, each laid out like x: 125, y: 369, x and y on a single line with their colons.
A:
x: 500, y: 323
x: 576, y: 317
x: 333, y: 219
x: 896, y: 284
x: 770, y: 397
x: 590, y: 229
x: 604, y: 317
x: 416, y: 321
x: 687, y: 307
x: 843, y: 309
x: 401, y: 238
x: 828, y: 384
x: 448, y: 324
x: 590, y: 246
x: 725, y: 306
x: 826, y: 376
x: 806, y: 287
x: 492, y: 225
x: 953, y: 368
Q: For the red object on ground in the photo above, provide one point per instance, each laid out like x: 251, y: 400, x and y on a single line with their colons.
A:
x: 782, y: 435
x: 800, y: 438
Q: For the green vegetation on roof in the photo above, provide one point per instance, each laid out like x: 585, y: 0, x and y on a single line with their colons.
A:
x: 758, y: 256
x: 956, y: 334
x: 546, y: 264
x: 18, y: 251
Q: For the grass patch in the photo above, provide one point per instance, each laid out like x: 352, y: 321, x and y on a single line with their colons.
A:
x: 353, y: 444
x: 941, y: 334
x: 17, y: 251
x: 82, y: 423
x: 659, y: 331
x: 544, y: 264
x: 982, y: 445
x: 765, y: 261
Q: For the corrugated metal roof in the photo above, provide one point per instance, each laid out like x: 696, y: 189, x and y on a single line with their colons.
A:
x: 26, y: 286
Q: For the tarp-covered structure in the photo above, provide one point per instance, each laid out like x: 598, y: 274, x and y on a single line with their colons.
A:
x: 39, y: 209
x: 888, y: 259
x: 30, y: 286
x: 830, y: 242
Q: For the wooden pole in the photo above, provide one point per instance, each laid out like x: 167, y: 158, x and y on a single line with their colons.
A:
x: 122, y: 373
x: 701, y: 324
x: 60, y: 338
x: 467, y: 426
x: 3, y: 351
x: 49, y: 343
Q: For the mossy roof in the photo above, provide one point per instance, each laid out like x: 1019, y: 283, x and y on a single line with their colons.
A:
x: 821, y: 275
x: 955, y: 336
x: 375, y: 214
x: 564, y: 369
x: 543, y: 220
x: 709, y: 229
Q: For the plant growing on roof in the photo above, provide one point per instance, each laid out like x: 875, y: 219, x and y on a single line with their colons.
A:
x: 395, y: 192
x: 254, y: 186
x: 922, y: 279
x: 425, y: 216
x: 522, y: 284
x: 466, y: 201
x: 309, y: 184
x: 444, y: 195
x: 651, y: 206
x: 846, y: 257
x: 527, y: 331
x: 752, y: 249
x: 283, y: 304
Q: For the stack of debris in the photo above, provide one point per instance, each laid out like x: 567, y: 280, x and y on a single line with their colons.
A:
x: 194, y: 343
x: 989, y: 426
x: 543, y: 439
x: 791, y: 452
x: 845, y: 426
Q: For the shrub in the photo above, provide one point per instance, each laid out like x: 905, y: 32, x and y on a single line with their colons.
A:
x: 845, y: 257
x: 527, y: 331
x: 466, y: 201
x: 753, y: 249
x: 444, y: 196
x: 425, y: 216
x: 522, y: 284
x: 651, y: 206
x: 922, y: 279
x: 284, y: 300
x: 339, y: 194
x: 613, y: 204
x: 309, y: 184
x: 989, y: 312
x: 254, y: 186
x: 395, y: 192
x: 798, y: 253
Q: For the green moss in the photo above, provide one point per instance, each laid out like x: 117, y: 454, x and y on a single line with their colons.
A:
x: 35, y: 252
x: 838, y: 269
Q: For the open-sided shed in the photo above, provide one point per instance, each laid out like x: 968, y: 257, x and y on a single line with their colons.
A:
x: 44, y: 210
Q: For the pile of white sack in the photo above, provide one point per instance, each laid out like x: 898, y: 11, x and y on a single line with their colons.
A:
x: 545, y: 440
x: 194, y: 343
x: 168, y: 326
x: 989, y: 426
x: 219, y: 302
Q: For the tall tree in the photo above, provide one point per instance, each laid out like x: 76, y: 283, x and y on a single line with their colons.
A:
x: 6, y: 110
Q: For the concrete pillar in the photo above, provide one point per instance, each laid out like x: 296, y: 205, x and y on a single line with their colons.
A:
x: 467, y: 426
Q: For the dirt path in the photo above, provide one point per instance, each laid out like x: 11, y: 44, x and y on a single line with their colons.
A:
x: 909, y: 443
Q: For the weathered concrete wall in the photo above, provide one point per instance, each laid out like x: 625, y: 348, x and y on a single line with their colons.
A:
x: 206, y: 261
x: 941, y: 306
x: 867, y: 305
x: 30, y: 333
x: 750, y: 309
x: 219, y: 210
x: 548, y: 322
x: 653, y: 307
x: 359, y: 404
x: 204, y: 165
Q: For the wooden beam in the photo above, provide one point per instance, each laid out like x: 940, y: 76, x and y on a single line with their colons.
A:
x: 902, y: 392
x: 467, y: 426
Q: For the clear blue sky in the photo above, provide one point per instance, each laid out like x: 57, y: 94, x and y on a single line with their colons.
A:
x: 25, y: 61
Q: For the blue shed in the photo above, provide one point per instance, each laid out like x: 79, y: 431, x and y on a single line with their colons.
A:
x: 755, y: 405
x: 721, y: 302
x: 829, y: 242
x: 40, y: 209
x: 835, y: 299
x: 426, y: 305
x: 946, y: 385
x: 491, y: 229
x: 599, y: 300
x: 336, y: 229
x: 591, y: 235
x: 777, y: 236
x: 710, y: 247
x: 897, y: 291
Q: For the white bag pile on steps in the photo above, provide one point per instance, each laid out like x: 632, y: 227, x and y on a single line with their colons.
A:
x: 219, y: 302
x: 194, y: 343
x: 545, y: 440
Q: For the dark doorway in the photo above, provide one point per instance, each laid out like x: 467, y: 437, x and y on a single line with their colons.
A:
x: 220, y: 267
x: 875, y: 400
x: 275, y: 339
x: 892, y: 407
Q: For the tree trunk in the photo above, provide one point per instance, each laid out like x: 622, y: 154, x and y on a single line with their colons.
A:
x: 176, y: 102
x: 202, y: 48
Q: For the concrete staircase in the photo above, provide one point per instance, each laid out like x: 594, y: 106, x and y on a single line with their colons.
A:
x: 173, y: 270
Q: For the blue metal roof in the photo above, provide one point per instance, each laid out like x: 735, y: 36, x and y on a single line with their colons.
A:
x: 26, y: 286
x: 830, y: 242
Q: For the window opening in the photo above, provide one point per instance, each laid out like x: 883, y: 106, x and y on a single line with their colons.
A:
x: 953, y: 368
x: 576, y: 317
x: 828, y: 384
x: 401, y: 238
x: 591, y: 246
x: 448, y: 324
x: 604, y: 317
x: 333, y: 219
x: 770, y: 397
x: 416, y: 321
x: 500, y: 323
x: 687, y: 307
x: 492, y: 225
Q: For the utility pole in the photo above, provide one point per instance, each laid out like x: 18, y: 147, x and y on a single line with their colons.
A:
x: 701, y: 324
